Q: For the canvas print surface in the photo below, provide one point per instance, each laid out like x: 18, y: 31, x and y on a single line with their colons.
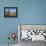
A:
x: 10, y: 11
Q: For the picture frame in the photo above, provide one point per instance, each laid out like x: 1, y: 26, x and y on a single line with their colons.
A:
x: 10, y: 12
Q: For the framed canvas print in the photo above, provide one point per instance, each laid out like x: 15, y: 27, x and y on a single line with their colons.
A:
x: 10, y: 12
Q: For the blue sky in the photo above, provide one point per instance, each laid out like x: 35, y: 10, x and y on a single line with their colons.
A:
x: 11, y: 10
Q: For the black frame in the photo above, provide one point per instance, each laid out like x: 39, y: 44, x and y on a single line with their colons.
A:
x: 11, y: 8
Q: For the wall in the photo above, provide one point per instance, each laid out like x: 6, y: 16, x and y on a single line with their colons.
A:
x: 33, y: 11
x: 29, y: 12
x: 7, y: 25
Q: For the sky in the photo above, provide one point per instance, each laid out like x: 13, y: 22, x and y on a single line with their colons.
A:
x: 11, y: 10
